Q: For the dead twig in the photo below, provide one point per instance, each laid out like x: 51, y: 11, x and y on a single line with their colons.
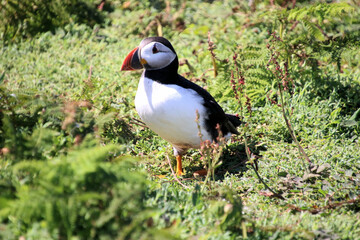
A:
x: 213, y: 57
x: 315, y: 210
x: 138, y: 122
x: 282, y: 79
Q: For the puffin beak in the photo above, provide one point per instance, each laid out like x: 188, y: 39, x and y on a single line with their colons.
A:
x: 132, y: 61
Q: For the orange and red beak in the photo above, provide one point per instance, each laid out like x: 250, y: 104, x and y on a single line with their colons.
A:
x: 132, y: 61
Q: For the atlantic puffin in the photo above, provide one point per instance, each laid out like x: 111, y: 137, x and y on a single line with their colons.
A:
x: 168, y: 103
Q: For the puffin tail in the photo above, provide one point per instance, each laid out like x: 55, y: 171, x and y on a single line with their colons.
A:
x: 234, y: 122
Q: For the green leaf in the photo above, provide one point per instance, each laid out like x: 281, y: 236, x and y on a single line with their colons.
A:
x: 2, y: 76
x: 349, y: 123
x: 322, y: 192
x: 356, y: 115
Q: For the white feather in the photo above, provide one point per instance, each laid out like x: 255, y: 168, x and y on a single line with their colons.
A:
x: 160, y: 59
x: 170, y: 111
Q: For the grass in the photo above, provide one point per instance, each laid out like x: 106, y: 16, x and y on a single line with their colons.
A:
x: 76, y: 164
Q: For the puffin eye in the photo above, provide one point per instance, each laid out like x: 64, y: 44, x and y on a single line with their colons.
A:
x: 155, y: 50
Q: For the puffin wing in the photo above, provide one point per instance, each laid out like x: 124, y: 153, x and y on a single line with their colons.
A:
x: 216, y: 114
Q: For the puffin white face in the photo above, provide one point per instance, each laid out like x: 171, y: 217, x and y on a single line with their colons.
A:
x: 156, y: 55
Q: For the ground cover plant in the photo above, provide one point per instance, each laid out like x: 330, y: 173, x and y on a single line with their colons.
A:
x: 76, y: 162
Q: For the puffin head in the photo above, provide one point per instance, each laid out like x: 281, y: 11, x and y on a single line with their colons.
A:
x: 153, y: 53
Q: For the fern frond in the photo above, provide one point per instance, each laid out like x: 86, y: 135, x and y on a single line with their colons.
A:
x: 313, y: 30
x: 337, y: 9
x: 321, y: 11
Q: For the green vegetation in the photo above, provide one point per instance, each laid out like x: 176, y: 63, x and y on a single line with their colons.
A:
x: 75, y: 162
x: 24, y: 19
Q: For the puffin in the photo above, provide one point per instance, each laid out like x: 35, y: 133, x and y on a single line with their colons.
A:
x: 169, y: 104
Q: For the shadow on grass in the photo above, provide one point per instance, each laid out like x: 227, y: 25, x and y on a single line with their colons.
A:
x: 233, y: 161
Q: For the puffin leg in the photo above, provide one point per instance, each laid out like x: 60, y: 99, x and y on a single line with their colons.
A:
x: 179, y: 165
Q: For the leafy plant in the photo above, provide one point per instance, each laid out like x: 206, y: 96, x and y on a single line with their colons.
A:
x: 82, y: 195
x: 24, y: 19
